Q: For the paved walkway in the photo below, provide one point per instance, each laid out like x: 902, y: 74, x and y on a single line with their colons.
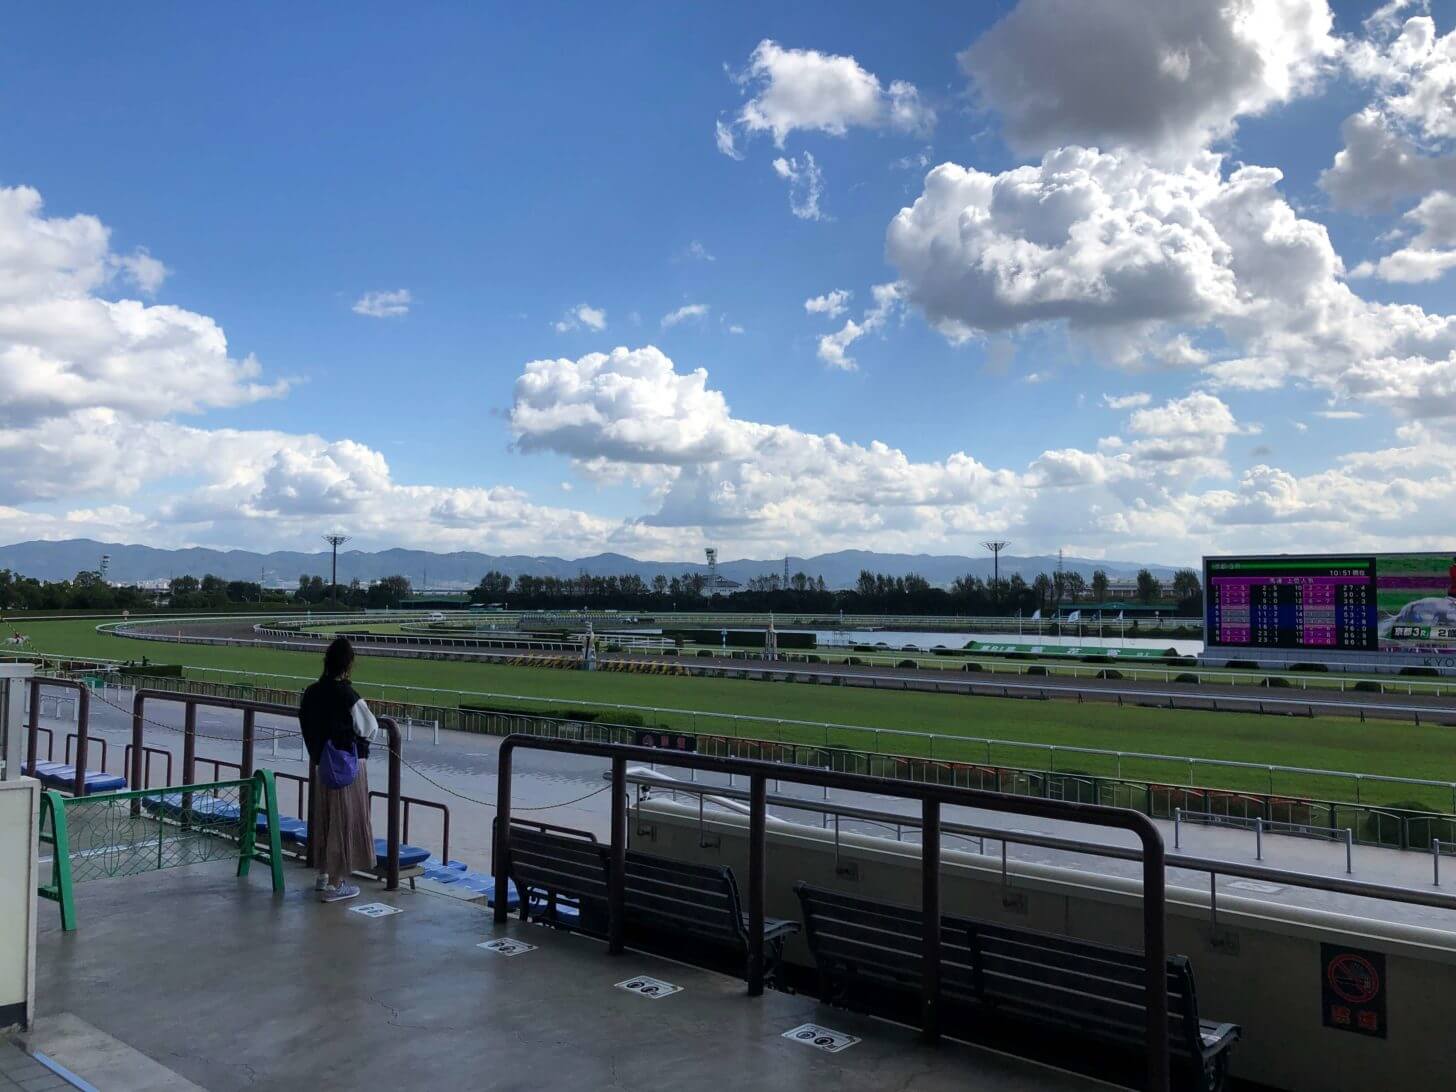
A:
x: 18, y: 1070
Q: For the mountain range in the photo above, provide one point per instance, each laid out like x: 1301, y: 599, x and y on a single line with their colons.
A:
x: 129, y: 564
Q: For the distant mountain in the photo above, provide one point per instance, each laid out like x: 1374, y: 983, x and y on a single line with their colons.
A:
x: 131, y: 564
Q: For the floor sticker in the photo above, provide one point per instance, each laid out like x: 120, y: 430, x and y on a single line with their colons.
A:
x: 648, y: 987
x: 506, y: 946
x: 375, y: 910
x: 825, y: 1039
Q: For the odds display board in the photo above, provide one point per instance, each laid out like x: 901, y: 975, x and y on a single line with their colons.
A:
x: 1400, y: 603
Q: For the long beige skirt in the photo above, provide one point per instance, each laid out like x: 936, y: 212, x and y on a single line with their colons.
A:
x: 345, y: 832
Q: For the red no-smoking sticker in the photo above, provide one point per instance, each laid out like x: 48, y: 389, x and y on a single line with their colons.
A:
x: 1353, y: 978
x: 1353, y: 989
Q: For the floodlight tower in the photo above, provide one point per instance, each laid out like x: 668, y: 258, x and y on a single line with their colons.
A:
x: 712, y: 552
x: 335, y: 541
x: 996, y: 546
x: 105, y: 567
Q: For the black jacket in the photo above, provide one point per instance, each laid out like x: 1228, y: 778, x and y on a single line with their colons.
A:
x: 325, y: 714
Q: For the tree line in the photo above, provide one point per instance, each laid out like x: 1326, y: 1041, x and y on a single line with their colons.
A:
x: 873, y: 593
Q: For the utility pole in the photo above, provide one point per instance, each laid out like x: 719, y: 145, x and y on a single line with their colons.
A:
x: 335, y: 541
x: 996, y: 546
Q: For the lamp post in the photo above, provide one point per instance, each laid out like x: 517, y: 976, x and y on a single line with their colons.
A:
x: 335, y: 541
x: 996, y: 546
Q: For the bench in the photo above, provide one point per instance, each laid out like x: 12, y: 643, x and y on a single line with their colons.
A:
x: 556, y: 868
x: 62, y: 776
x: 868, y: 955
x: 565, y: 876
x: 671, y: 898
x: 294, y: 832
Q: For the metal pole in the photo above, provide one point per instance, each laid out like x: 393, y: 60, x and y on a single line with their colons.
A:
x: 1258, y: 837
x: 930, y: 920
x: 248, y: 721
x: 1177, y: 828
x: 617, y: 874
x: 1155, y: 955
x: 391, y: 873
x: 1436, y: 861
x: 33, y: 728
x: 1349, y: 850
x: 757, y: 811
x: 502, y: 850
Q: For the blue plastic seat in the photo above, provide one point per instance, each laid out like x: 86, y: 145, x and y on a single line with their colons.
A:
x: 409, y: 856
x: 205, y: 809
x: 59, y: 775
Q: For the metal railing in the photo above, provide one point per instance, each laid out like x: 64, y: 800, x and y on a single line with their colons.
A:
x: 931, y: 798
x: 1212, y: 866
x: 1260, y: 826
x: 83, y: 721
x: 250, y: 710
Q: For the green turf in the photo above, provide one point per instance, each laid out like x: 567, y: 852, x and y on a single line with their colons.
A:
x: 1378, y: 747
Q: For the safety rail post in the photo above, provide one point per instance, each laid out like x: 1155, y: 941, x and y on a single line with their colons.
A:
x: 930, y: 919
x: 391, y: 863
x: 617, y: 873
x: 249, y: 716
x: 757, y: 822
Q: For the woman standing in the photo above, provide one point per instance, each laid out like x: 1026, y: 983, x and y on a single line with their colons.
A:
x: 337, y: 728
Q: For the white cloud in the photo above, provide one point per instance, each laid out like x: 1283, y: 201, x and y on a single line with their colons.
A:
x: 66, y: 349
x: 806, y: 185
x: 583, y: 314
x: 1126, y: 401
x: 1156, y: 75
x: 1403, y: 144
x: 831, y: 304
x: 698, y: 251
x: 723, y: 137
x: 1340, y: 415
x: 808, y: 90
x: 632, y: 414
x: 834, y: 348
x: 685, y: 312
x: 144, y: 272
x: 1132, y: 257
x: 1429, y: 252
x: 384, y: 304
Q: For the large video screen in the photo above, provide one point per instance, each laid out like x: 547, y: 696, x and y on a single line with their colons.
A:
x: 1333, y: 602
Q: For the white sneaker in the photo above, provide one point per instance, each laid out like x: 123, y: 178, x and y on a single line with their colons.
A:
x: 339, y: 894
x: 321, y: 883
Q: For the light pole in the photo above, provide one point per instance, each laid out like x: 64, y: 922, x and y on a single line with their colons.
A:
x: 995, y: 546
x: 335, y: 541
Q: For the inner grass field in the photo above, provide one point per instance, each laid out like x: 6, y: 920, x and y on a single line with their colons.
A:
x: 1386, y: 748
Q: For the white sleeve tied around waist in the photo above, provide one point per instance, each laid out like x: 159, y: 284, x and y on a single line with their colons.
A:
x: 365, y: 726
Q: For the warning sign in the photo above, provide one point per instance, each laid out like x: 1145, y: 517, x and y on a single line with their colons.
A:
x: 1352, y: 990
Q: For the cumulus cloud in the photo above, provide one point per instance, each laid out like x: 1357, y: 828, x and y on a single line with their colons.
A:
x: 65, y: 348
x: 806, y: 185
x: 831, y: 304
x: 803, y: 89
x: 1133, y: 256
x: 632, y: 412
x: 583, y: 314
x: 1429, y: 252
x: 384, y: 304
x: 1155, y: 75
x: 684, y: 313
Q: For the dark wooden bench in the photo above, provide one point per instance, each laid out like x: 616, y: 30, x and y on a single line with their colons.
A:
x: 667, y: 898
x: 666, y: 901
x: 868, y: 955
x: 552, y: 867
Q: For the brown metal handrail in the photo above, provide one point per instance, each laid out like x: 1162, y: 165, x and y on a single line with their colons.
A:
x: 83, y: 720
x: 250, y: 709
x: 931, y: 797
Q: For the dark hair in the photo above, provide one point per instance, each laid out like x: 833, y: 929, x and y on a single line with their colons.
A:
x: 339, y: 658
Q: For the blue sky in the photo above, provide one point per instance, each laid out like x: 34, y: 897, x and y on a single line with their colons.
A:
x: 481, y: 174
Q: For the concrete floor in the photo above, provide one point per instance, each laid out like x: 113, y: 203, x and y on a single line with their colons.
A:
x: 230, y: 987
